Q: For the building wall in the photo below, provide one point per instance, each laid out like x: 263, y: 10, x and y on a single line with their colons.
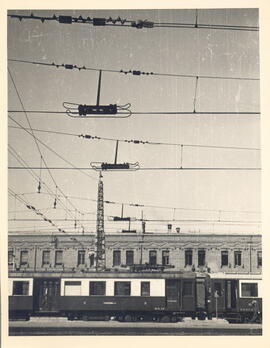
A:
x: 141, y: 244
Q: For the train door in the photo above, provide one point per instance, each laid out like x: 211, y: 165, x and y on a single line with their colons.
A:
x: 172, y: 294
x: 200, y: 294
x: 231, y: 294
x: 218, y: 295
x: 46, y: 292
x: 188, y: 295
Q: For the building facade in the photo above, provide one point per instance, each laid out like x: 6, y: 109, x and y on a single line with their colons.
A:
x: 226, y: 253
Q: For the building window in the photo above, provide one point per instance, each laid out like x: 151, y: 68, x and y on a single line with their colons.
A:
x: 153, y: 257
x: 116, y: 257
x: 249, y: 290
x: 20, y: 288
x: 92, y: 259
x: 145, y: 288
x: 81, y: 257
x: 224, y: 258
x: 201, y: 257
x: 237, y: 258
x: 122, y: 288
x: 10, y: 257
x: 187, y: 289
x: 165, y: 257
x: 188, y: 257
x: 259, y: 259
x: 129, y: 257
x: 97, y: 288
x: 46, y: 257
x: 59, y: 257
x: 24, y: 258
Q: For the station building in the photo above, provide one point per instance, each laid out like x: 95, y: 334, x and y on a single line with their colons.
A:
x: 65, y: 253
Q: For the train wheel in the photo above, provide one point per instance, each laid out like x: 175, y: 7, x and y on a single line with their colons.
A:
x: 165, y: 319
x: 174, y: 319
x: 85, y: 317
x: 127, y: 318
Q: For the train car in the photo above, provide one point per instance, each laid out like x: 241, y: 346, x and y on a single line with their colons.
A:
x: 165, y: 297
x: 235, y: 297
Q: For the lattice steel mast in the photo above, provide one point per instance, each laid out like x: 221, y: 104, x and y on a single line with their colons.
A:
x: 100, y: 236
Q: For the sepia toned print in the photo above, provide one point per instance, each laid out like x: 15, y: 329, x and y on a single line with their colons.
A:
x: 134, y: 172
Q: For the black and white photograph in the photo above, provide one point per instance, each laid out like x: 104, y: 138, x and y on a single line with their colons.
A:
x: 134, y: 172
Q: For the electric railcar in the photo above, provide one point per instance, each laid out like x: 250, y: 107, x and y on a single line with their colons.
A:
x: 164, y: 297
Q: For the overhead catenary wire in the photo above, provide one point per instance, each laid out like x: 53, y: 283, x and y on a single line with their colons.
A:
x: 132, y: 71
x: 150, y: 205
x: 147, y: 168
x: 126, y: 23
x: 140, y: 142
x: 46, y: 187
x: 144, y: 113
x: 32, y: 133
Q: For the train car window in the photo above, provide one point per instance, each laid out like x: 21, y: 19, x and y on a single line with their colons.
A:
x: 217, y: 289
x: 122, y: 288
x: 97, y: 288
x: 116, y: 258
x: 72, y: 288
x: 188, y: 257
x: 20, y: 288
x: 249, y: 290
x: 145, y: 288
x: 59, y: 257
x: 165, y: 257
x: 24, y: 258
x: 201, y: 257
x: 129, y: 257
x: 237, y: 258
x: 152, y: 257
x: 224, y: 258
x: 259, y: 259
x: 81, y: 257
x: 187, y: 288
x: 46, y: 256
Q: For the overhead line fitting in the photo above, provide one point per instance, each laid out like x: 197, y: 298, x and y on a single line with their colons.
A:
x: 83, y: 110
x: 138, y: 24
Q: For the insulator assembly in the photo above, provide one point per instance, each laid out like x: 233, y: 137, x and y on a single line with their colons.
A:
x: 114, y: 166
x: 83, y: 110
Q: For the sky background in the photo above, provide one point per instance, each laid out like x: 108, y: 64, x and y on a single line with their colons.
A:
x: 182, y: 51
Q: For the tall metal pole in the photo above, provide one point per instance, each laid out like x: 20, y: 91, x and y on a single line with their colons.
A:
x: 100, y: 236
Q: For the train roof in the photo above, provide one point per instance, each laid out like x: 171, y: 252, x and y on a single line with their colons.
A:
x: 111, y: 274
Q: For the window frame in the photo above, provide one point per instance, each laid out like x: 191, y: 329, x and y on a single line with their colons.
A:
x: 116, y: 283
x: 92, y: 282
x: 249, y: 283
x: 22, y: 287
x: 130, y: 252
x: 57, y: 252
x: 224, y: 253
x: 153, y: 251
x: 24, y: 263
x: 188, y: 257
x: 116, y: 258
x: 143, y: 283
x: 201, y: 253
x: 165, y: 258
x: 237, y: 256
x: 259, y: 259
x: 81, y: 257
